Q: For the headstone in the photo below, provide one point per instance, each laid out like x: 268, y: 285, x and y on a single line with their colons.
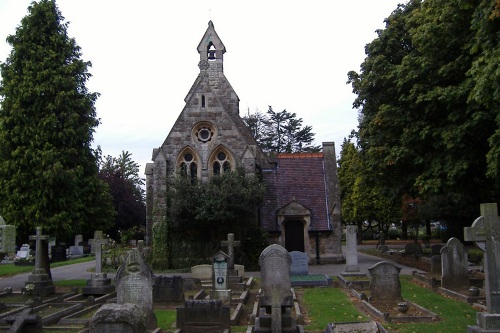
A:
x: 454, y: 265
x: 384, y: 284
x: 119, y: 318
x: 230, y: 244
x: 436, y: 249
x: 485, y: 232
x: 23, y: 252
x: 76, y: 251
x: 202, y: 272
x: 203, y: 316
x: 220, y: 267
x: 168, y: 289
x: 276, y: 293
x: 78, y: 240
x: 58, y: 253
x: 134, y: 284
x: 7, y: 238
x: 351, y: 249
x: 300, y: 263
x: 413, y: 248
x: 99, y: 283
x: 39, y: 278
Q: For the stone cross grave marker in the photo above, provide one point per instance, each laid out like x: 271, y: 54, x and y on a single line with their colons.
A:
x: 78, y: 239
x: 352, y: 249
x: 485, y: 231
x: 384, y: 284
x: 98, y: 243
x: 38, y: 255
x: 454, y: 265
x: 39, y: 278
x: 231, y: 244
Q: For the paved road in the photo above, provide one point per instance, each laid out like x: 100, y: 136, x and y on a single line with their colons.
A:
x: 80, y: 271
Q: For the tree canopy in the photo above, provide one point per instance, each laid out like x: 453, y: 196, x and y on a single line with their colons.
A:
x: 48, y: 171
x: 122, y: 176
x: 427, y: 95
x: 281, y: 132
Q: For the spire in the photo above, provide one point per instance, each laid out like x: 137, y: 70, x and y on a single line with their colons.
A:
x: 211, y: 50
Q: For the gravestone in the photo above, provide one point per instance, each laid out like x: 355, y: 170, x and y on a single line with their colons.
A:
x: 23, y: 252
x: 436, y: 267
x: 39, y: 278
x: 119, y: 318
x: 413, y: 248
x: 168, y: 289
x: 134, y: 284
x: 300, y: 263
x: 78, y: 240
x: 454, y: 265
x: 276, y: 299
x: 351, y: 250
x: 202, y: 272
x: 220, y: 268
x: 99, y: 283
x: 7, y: 238
x: 485, y: 231
x: 198, y: 316
x: 76, y: 251
x: 220, y: 280
x: 384, y: 284
x: 58, y: 253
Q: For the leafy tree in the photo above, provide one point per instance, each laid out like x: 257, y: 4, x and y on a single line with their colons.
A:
x: 122, y: 176
x: 364, y: 203
x: 201, y: 214
x: 420, y: 132
x: 281, y: 132
x: 48, y: 171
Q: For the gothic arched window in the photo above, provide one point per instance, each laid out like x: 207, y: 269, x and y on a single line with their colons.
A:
x: 188, y: 166
x: 221, y: 162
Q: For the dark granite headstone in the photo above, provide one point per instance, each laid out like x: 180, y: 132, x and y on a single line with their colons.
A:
x: 168, y: 289
x: 413, y: 248
x: 58, y: 253
x: 203, y: 316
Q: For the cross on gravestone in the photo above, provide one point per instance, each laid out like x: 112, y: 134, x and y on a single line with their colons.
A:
x: 98, y: 253
x: 485, y: 231
x: 230, y: 244
x: 38, y: 258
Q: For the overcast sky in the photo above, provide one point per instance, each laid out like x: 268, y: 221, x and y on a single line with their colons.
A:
x: 287, y: 54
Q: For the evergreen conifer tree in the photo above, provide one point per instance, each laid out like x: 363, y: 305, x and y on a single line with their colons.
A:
x: 48, y: 170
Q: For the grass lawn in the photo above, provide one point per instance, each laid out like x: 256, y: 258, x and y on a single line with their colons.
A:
x: 325, y: 305
x: 11, y: 269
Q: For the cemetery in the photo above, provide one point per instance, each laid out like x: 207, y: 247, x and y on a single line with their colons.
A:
x: 221, y: 296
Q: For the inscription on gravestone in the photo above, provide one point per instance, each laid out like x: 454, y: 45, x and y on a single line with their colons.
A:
x: 300, y: 263
x: 220, y: 267
x: 385, y: 284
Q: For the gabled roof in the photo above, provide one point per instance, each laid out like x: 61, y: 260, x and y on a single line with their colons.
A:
x: 299, y: 177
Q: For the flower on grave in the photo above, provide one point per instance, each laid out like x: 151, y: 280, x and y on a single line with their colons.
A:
x: 30, y: 288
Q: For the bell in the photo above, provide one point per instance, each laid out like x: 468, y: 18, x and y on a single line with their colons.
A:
x: 211, y: 54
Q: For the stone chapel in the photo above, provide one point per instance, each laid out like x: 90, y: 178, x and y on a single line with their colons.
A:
x: 301, y: 208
